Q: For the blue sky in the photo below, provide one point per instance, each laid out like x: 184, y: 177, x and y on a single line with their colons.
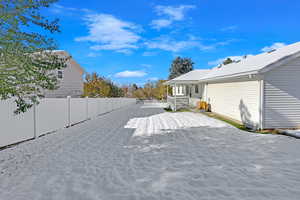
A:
x: 134, y: 41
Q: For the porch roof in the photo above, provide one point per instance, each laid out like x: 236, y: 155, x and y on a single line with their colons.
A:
x: 191, y: 77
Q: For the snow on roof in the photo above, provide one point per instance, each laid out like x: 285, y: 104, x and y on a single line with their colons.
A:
x: 253, y: 63
x: 192, y: 75
x: 249, y: 65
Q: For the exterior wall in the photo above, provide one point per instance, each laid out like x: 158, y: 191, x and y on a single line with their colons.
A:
x: 70, y: 85
x: 282, y: 96
x: 237, y: 100
x: 196, y: 97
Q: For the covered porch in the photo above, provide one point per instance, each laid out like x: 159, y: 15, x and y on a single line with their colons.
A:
x: 185, y: 94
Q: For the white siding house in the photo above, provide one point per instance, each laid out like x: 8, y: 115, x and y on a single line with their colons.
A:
x: 262, y: 91
x: 70, y: 79
x: 282, y: 96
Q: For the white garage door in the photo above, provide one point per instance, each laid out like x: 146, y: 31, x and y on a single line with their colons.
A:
x: 237, y: 100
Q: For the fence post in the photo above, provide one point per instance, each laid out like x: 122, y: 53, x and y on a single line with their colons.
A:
x: 69, y: 110
x: 87, y: 107
x: 107, y: 109
x: 110, y: 104
x: 34, y: 121
x: 113, y: 103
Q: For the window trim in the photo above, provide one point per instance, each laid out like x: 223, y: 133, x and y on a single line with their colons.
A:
x: 60, y: 74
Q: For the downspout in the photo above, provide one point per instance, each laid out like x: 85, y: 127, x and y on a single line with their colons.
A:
x: 206, y: 88
x: 261, y: 104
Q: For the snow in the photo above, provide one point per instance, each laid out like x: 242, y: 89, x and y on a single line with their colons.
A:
x: 194, y: 75
x: 251, y: 64
x: 155, y: 105
x: 166, y: 122
x: 100, y: 160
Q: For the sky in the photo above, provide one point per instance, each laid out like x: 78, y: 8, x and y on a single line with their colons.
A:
x: 135, y: 41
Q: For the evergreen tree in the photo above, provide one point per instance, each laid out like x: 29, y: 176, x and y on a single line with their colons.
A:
x: 180, y: 66
x: 228, y: 61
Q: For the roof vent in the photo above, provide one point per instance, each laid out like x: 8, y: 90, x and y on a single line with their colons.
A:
x: 272, y: 51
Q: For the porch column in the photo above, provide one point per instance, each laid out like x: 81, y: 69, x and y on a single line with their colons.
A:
x: 175, y: 98
x: 167, y: 92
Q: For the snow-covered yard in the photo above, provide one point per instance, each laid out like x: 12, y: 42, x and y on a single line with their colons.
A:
x: 168, y: 122
x: 183, y: 157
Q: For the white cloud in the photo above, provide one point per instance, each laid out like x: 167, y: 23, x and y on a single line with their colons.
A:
x: 161, y: 23
x: 153, y: 79
x: 168, y: 44
x: 226, y: 42
x: 125, y: 51
x: 59, y: 9
x: 220, y: 61
x: 170, y: 14
x: 274, y: 46
x: 130, y: 74
x: 110, y: 33
x: 93, y: 55
x: 174, y: 13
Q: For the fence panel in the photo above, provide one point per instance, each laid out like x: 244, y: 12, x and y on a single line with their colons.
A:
x: 102, y: 106
x: 51, y: 115
x: 14, y: 128
x: 78, y: 110
x: 93, y: 107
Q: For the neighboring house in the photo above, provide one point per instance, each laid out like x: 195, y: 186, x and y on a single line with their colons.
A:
x: 70, y: 79
x: 261, y: 91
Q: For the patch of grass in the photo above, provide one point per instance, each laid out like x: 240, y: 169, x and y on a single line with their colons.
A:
x: 238, y: 125
x: 180, y: 110
x: 228, y: 121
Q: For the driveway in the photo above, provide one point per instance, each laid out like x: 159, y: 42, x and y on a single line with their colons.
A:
x: 113, y: 158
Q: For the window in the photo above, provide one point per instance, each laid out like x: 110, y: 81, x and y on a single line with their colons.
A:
x: 196, y: 89
x: 60, y: 74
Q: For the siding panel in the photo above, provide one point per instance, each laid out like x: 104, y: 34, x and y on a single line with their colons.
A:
x: 282, y: 96
x: 196, y: 97
x: 70, y: 85
x: 237, y: 100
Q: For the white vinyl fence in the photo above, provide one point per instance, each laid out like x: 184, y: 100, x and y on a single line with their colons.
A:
x: 50, y: 115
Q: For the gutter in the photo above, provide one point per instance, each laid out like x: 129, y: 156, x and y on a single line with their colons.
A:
x: 181, y: 82
x: 254, y: 72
